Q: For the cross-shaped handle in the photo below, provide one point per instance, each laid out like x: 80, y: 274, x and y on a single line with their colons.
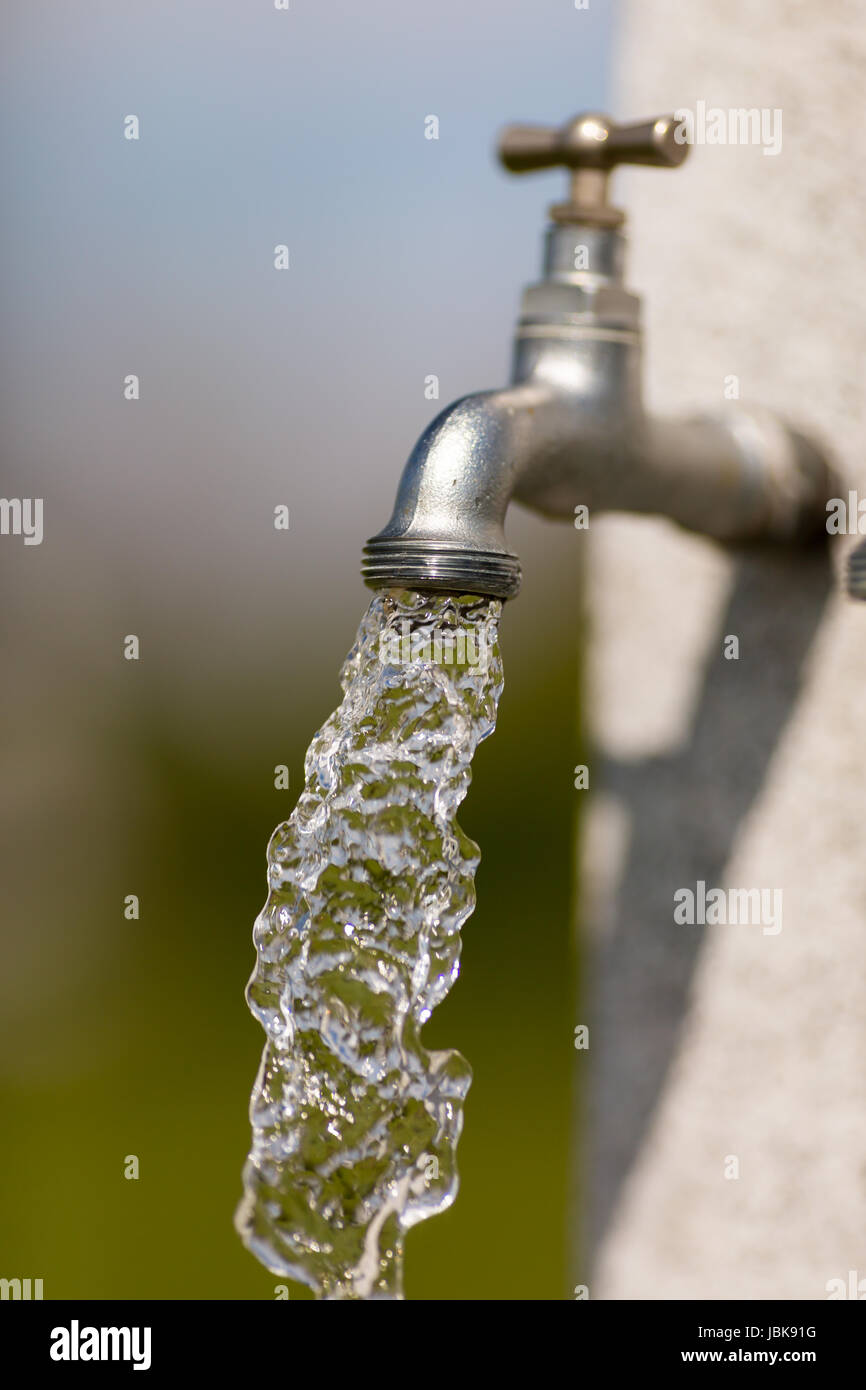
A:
x: 591, y: 146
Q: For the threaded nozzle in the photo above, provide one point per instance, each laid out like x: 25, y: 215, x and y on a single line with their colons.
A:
x: 409, y: 563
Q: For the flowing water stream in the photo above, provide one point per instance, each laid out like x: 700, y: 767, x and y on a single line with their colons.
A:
x: 355, y: 1125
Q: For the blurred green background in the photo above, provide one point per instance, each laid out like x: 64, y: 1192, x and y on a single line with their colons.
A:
x: 156, y: 777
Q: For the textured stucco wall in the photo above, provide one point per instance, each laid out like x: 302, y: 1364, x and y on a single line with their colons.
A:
x: 710, y: 1042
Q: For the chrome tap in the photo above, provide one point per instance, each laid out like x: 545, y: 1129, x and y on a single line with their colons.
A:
x: 571, y: 429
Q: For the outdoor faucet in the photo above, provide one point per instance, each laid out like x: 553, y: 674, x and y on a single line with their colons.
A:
x: 571, y: 429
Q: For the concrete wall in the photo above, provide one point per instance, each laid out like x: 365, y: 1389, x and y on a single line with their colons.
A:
x: 719, y: 1042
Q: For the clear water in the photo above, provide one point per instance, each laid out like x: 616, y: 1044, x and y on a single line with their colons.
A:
x: 355, y: 1125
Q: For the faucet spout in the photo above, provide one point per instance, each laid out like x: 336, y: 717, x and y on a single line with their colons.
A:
x: 447, y: 529
x: 743, y: 477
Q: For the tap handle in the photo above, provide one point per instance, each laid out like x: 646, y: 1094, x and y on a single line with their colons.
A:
x: 592, y: 141
x: 591, y: 146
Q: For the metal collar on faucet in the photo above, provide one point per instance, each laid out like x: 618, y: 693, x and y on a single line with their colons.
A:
x: 571, y: 429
